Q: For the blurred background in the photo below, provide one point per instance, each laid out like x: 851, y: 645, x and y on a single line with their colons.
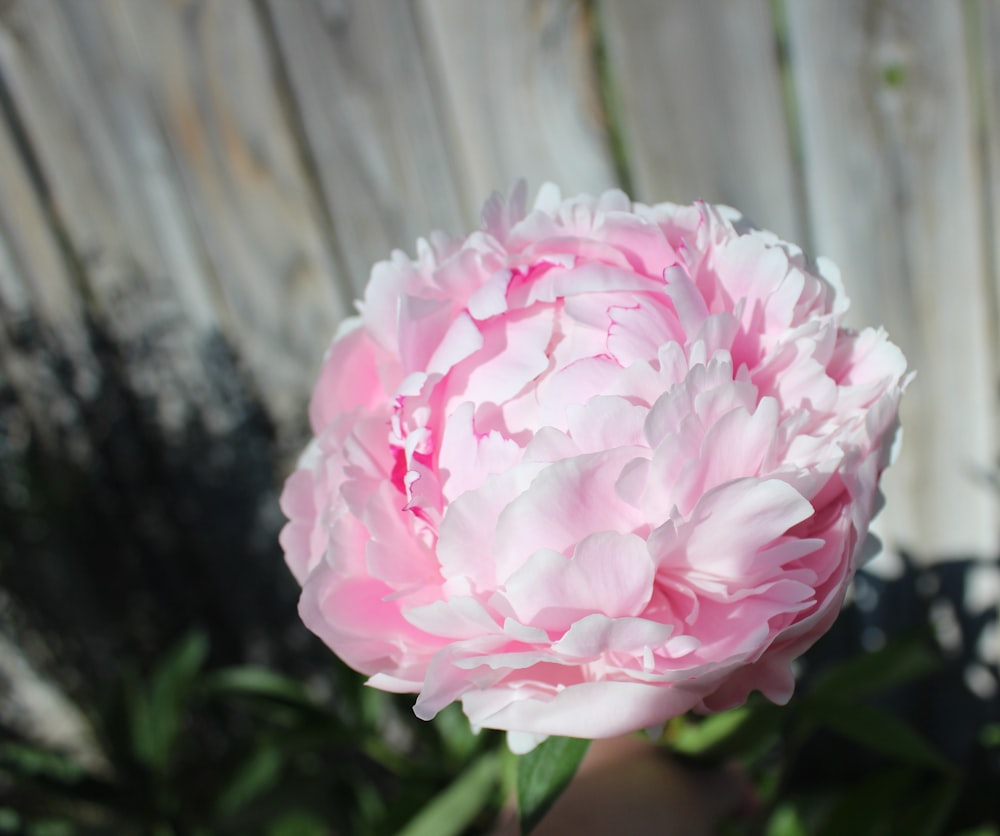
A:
x: 192, y: 193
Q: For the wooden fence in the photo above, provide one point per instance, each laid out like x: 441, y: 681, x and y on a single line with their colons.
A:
x: 193, y: 191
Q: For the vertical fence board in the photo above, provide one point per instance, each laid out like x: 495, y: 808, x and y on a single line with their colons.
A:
x: 373, y: 124
x: 212, y: 88
x: 34, y: 280
x: 112, y: 179
x: 171, y: 519
x: 193, y: 190
x: 522, y: 94
x: 985, y: 26
x: 699, y: 91
x: 40, y: 310
x: 895, y: 198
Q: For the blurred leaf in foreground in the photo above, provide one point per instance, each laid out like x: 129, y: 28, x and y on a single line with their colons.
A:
x: 455, y: 808
x: 542, y: 775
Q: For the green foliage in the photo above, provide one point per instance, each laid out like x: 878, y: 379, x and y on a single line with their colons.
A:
x: 877, y: 730
x: 746, y: 732
x: 297, y: 823
x: 786, y: 821
x: 449, y: 813
x: 836, y: 759
x: 457, y: 738
x: 194, y: 749
x: 157, y: 710
x: 892, y: 666
x: 247, y: 750
x: 543, y: 774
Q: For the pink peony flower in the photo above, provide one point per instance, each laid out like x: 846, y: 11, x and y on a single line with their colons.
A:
x: 594, y: 466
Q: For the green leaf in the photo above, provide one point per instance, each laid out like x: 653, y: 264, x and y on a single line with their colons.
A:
x: 31, y: 769
x: 51, y: 827
x: 156, y: 713
x: 693, y: 737
x: 298, y: 823
x: 452, y: 811
x: 928, y: 814
x: 895, y: 664
x: 10, y: 821
x: 256, y: 773
x: 870, y: 806
x: 786, y: 821
x: 254, y: 681
x: 737, y: 733
x: 542, y: 775
x: 276, y: 701
x: 373, y: 705
x: 878, y: 731
x: 989, y: 735
x: 455, y: 733
x: 28, y: 760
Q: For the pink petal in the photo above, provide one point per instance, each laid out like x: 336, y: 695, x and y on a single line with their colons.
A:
x: 359, y: 625
x: 351, y: 377
x: 602, y: 709
x: 596, y: 634
x: 609, y: 573
x: 466, y: 537
x: 638, y: 331
x: 466, y: 457
x: 585, y: 278
x: 604, y: 422
x: 513, y: 354
x: 732, y: 524
x: 567, y: 501
x: 394, y: 554
x: 462, y: 340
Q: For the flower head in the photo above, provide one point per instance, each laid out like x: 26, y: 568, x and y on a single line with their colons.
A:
x: 593, y: 466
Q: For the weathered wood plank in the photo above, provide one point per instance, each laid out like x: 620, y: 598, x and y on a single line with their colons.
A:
x: 215, y: 97
x: 172, y: 520
x: 983, y: 25
x: 983, y: 31
x: 699, y: 92
x: 521, y: 94
x: 112, y: 178
x: 895, y: 197
x: 40, y: 313
x: 180, y: 185
x: 29, y: 251
x: 374, y: 126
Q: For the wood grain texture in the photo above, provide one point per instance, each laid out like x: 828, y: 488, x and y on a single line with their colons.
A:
x: 41, y: 316
x: 231, y: 180
x: 983, y: 32
x: 521, y: 94
x: 192, y: 191
x: 213, y: 92
x: 113, y: 180
x: 373, y: 125
x: 34, y: 279
x: 895, y: 197
x: 699, y: 93
x: 983, y: 27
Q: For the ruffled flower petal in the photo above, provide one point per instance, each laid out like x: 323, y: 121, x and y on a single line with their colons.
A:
x: 595, y: 465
